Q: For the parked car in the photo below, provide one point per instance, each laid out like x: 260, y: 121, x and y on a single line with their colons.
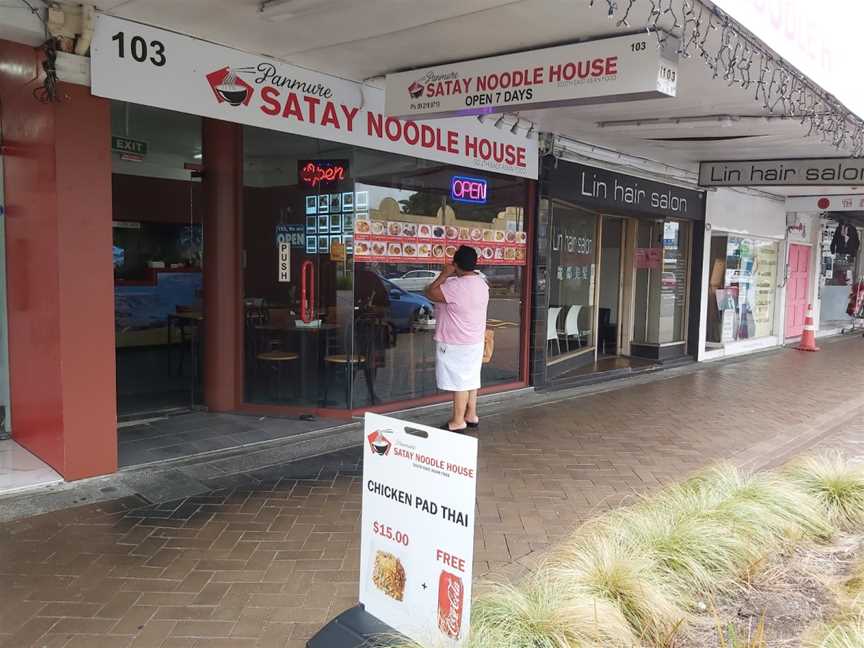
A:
x: 668, y: 281
x: 416, y: 280
x: 405, y: 305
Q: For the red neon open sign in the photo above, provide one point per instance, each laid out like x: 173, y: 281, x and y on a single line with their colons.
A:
x: 468, y: 190
x: 315, y: 173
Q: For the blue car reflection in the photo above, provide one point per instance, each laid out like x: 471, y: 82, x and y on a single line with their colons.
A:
x: 404, y: 306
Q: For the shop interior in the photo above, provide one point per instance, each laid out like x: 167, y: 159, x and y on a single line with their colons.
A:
x: 349, y: 327
x: 841, y: 266
x: 157, y: 251
x: 620, y: 305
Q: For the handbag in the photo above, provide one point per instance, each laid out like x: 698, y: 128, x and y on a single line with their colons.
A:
x: 488, y: 345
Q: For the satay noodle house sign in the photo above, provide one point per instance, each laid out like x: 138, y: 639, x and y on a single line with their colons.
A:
x: 417, y: 538
x: 141, y: 64
x: 623, y: 68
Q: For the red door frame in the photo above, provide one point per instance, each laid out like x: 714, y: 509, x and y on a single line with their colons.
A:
x: 284, y: 410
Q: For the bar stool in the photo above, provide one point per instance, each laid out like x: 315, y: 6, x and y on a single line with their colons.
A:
x: 277, y: 360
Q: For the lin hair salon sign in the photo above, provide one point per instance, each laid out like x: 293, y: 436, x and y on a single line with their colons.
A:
x: 817, y: 171
x: 145, y: 65
x: 624, y: 68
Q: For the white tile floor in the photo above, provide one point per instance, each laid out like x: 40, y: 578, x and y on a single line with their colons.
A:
x: 20, y: 470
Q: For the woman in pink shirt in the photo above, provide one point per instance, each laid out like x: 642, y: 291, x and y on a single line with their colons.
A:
x: 462, y: 297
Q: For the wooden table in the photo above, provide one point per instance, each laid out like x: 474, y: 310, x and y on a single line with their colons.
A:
x: 309, y: 346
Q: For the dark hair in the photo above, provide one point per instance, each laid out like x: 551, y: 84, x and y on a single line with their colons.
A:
x: 465, y: 258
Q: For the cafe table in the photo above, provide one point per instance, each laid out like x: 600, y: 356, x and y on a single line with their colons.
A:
x: 313, y: 344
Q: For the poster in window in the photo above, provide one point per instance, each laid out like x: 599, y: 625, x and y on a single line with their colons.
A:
x: 335, y: 223
x: 311, y: 245
x: 323, y: 224
x: 348, y: 242
x: 348, y: 201
x: 335, y: 203
x: 324, y: 204
x: 347, y: 223
x: 361, y: 203
x: 324, y: 244
x: 311, y: 224
x: 311, y: 204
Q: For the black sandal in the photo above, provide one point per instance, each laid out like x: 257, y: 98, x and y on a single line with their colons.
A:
x: 474, y: 425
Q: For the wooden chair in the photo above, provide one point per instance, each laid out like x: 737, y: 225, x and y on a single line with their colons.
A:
x: 276, y: 361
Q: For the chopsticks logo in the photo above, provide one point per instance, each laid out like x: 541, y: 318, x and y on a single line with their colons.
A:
x: 230, y: 88
x: 379, y: 443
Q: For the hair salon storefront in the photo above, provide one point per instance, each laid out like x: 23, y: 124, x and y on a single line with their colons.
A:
x: 615, y: 287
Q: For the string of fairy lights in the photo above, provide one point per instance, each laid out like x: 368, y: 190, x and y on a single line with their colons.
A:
x: 739, y: 59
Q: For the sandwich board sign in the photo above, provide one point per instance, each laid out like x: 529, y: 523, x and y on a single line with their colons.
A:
x: 417, y: 538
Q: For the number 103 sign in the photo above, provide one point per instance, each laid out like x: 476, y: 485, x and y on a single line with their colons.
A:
x: 417, y: 540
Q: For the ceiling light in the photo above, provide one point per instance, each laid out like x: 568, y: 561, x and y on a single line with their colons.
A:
x: 530, y: 133
x: 515, y: 126
x: 499, y: 122
x: 480, y: 118
x: 285, y: 9
x: 722, y: 121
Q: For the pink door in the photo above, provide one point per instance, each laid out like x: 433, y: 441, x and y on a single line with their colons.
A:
x: 797, y: 289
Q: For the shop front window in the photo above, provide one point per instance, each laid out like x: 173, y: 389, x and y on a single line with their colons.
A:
x: 572, y: 278
x: 348, y: 325
x: 662, y: 268
x: 742, y: 287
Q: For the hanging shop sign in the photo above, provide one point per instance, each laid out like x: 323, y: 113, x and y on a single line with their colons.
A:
x: 624, y: 68
x: 321, y: 174
x: 378, y: 241
x: 417, y: 538
x: 292, y: 233
x: 469, y: 190
x: 150, y: 66
x: 610, y: 191
x: 849, y: 202
x: 773, y: 173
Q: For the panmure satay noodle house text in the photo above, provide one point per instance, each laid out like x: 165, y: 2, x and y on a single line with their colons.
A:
x: 370, y: 206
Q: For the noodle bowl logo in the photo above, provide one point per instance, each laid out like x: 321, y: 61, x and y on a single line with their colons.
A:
x: 379, y: 443
x: 230, y: 88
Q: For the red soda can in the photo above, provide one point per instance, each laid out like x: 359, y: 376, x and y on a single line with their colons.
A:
x: 451, y: 595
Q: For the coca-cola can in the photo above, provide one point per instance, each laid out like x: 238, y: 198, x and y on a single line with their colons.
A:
x: 451, y: 596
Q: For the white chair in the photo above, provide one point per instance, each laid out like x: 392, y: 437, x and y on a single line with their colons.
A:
x: 571, y: 326
x: 552, y: 327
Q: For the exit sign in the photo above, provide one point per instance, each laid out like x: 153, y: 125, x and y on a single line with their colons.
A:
x: 127, y: 145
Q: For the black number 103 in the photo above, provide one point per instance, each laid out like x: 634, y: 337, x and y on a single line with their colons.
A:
x: 140, y: 50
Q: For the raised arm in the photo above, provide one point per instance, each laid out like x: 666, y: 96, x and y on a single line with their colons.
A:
x: 433, y: 291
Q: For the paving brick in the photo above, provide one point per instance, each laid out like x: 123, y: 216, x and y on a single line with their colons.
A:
x: 266, y: 564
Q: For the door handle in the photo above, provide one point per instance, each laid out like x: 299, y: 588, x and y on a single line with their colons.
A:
x: 307, y: 292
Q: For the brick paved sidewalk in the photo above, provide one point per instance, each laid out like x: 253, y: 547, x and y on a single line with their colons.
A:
x: 266, y: 558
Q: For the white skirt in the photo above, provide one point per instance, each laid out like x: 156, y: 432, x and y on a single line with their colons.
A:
x: 458, y: 366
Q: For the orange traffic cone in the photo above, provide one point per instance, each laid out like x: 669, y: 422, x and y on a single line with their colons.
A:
x: 808, y: 338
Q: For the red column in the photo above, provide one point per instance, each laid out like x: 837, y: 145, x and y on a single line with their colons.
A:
x: 60, y: 274
x: 223, y: 304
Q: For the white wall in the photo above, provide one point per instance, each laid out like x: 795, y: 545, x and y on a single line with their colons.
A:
x: 744, y: 213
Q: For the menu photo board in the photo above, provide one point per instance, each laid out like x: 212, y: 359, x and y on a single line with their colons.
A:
x: 401, y: 242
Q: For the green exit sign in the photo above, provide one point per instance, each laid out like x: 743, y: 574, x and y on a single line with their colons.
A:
x: 126, y: 145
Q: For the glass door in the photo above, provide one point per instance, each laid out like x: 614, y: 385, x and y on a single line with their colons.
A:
x: 5, y: 417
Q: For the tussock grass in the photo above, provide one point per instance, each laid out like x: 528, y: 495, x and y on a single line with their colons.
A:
x: 547, y: 613
x: 633, y: 577
x: 607, y: 568
x: 848, y: 632
x: 836, y: 483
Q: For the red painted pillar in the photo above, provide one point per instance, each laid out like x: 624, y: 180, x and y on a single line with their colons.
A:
x: 223, y: 303
x: 59, y: 266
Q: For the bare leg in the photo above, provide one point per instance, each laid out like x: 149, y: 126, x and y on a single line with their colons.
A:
x: 471, y: 411
x: 460, y: 405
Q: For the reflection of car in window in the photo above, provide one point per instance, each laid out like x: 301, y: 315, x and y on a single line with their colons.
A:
x: 371, y: 290
x: 415, y: 280
x: 668, y: 281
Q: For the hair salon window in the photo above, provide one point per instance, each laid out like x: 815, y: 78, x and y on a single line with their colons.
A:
x: 572, y: 270
x: 742, y: 288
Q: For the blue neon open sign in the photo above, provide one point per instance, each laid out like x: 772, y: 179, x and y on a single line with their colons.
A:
x: 469, y: 190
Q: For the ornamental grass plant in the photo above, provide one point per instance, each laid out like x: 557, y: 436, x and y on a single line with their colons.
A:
x: 636, y: 576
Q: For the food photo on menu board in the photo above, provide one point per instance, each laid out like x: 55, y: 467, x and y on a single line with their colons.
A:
x: 393, y: 241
